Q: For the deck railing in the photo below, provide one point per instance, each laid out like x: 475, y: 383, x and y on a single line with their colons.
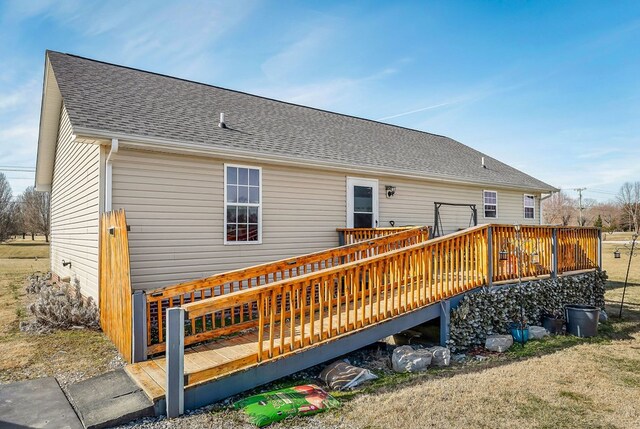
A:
x: 355, y: 235
x: 226, y: 321
x: 315, y: 307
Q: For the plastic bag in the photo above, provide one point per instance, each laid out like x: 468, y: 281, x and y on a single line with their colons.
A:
x: 341, y: 376
x: 441, y: 356
x: 270, y: 407
x: 408, y: 359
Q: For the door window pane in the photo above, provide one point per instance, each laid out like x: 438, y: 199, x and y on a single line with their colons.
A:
x: 362, y: 220
x: 363, y: 199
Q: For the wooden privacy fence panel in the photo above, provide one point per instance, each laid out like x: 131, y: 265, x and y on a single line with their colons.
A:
x: 577, y: 248
x: 536, y: 251
x: 355, y: 235
x: 296, y: 312
x: 115, y: 281
x: 245, y: 315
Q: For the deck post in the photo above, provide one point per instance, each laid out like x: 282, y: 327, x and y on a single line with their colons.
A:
x: 445, y: 314
x: 490, y: 256
x: 139, y: 327
x: 600, y: 248
x: 175, y: 362
x: 554, y: 253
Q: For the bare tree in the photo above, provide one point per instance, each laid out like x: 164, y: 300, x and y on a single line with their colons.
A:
x: 629, y: 200
x: 558, y: 209
x: 6, y: 209
x: 36, y: 210
x: 610, y: 214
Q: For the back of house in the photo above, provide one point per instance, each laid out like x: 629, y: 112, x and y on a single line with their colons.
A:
x: 213, y: 179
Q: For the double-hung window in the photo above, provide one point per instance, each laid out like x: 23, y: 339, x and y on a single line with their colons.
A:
x: 529, y: 207
x: 242, y: 204
x: 490, y: 204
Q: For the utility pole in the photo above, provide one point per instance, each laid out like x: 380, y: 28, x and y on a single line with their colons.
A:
x: 579, y: 190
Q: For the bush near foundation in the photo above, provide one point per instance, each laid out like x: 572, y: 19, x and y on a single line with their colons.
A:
x: 59, y: 306
x: 491, y: 310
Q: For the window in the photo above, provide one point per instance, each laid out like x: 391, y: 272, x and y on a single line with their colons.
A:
x: 242, y: 204
x: 490, y: 204
x: 529, y: 207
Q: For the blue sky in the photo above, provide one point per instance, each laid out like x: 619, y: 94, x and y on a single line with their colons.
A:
x: 552, y: 88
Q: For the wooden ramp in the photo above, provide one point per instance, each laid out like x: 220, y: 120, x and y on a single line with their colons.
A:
x: 220, y: 358
x: 274, y: 327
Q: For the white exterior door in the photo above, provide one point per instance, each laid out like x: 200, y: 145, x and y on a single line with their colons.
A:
x: 362, y: 203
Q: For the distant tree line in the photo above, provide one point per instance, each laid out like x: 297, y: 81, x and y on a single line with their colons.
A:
x: 619, y: 214
x: 29, y: 214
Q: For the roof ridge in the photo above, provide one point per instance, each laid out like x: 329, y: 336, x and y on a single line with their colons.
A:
x: 255, y: 95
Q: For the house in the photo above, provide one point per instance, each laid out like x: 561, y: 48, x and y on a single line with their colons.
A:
x: 214, y: 179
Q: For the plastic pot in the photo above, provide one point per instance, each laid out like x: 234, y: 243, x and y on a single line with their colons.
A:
x: 582, y: 320
x: 553, y: 325
x: 519, y: 334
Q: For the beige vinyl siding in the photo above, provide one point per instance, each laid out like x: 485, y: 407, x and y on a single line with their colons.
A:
x: 174, y: 205
x: 75, y: 208
x: 413, y: 204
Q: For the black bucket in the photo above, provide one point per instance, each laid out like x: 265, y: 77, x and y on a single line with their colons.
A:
x: 582, y: 320
x: 553, y: 325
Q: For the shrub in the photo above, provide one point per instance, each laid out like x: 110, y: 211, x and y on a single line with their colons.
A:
x: 37, y: 281
x: 491, y: 310
x: 62, y: 306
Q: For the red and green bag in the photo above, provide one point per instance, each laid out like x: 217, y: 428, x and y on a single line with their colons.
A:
x: 277, y: 405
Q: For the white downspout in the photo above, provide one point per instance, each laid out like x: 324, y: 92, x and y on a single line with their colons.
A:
x: 109, y: 176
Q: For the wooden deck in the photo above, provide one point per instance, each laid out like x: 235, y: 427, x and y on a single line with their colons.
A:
x: 225, y: 356
x: 291, y: 321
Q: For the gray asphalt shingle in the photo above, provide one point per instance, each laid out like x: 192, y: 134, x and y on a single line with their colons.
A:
x: 118, y: 99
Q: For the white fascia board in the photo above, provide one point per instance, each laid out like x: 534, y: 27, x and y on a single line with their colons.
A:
x: 50, y: 111
x: 158, y: 144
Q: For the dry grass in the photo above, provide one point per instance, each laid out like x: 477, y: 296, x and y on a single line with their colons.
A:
x: 565, y: 384
x: 25, y: 249
x: 68, y: 355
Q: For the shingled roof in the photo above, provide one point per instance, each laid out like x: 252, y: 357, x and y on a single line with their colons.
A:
x: 122, y: 100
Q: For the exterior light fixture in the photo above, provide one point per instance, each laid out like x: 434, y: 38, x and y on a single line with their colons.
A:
x: 535, y: 258
x: 503, y: 255
x: 616, y: 254
x: 390, y: 190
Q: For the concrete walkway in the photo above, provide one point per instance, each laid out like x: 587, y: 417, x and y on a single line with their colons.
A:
x: 108, y: 400
x: 38, y: 403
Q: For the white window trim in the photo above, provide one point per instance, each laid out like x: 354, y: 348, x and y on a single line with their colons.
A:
x: 524, y: 205
x: 361, y: 181
x: 224, y: 213
x: 484, y: 204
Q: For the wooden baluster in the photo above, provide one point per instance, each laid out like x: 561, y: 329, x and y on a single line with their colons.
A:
x: 260, y: 326
x: 303, y: 311
x: 312, y: 313
x: 292, y: 317
x: 160, y: 331
x: 283, y: 311
x: 329, y: 286
x: 272, y: 320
